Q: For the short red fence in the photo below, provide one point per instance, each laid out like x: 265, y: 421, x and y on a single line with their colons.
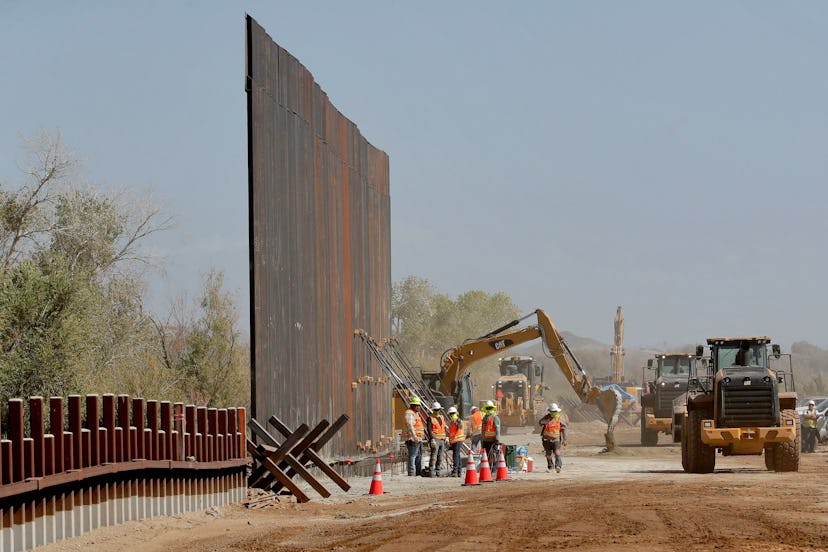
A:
x: 109, y: 459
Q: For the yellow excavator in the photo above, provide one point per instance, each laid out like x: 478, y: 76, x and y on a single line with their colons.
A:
x: 456, y: 361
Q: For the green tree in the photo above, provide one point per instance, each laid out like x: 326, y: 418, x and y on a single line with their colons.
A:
x: 38, y: 319
x: 207, y: 351
x: 415, y: 306
x: 71, y: 279
x: 427, y: 322
x: 72, y: 292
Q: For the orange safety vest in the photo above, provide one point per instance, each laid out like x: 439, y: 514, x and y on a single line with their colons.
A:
x: 489, y: 428
x: 456, y: 434
x: 476, y: 422
x: 419, y: 426
x: 438, y: 427
x: 552, y: 429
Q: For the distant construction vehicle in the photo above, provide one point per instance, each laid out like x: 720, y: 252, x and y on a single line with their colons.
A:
x: 519, y: 390
x: 738, y: 406
x: 669, y: 381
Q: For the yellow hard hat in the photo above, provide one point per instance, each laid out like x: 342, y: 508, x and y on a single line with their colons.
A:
x: 415, y: 401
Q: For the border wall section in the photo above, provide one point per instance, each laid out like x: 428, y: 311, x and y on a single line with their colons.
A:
x: 320, y: 255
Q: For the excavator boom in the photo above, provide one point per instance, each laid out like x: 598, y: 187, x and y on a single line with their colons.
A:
x: 456, y: 361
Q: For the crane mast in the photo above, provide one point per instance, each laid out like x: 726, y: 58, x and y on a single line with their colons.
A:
x: 617, y: 352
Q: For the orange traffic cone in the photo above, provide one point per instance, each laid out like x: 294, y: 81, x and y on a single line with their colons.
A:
x: 376, y: 482
x: 471, y: 472
x: 485, y: 470
x: 502, y: 472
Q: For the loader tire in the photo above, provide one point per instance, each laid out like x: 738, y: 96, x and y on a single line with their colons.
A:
x: 786, y: 455
x: 684, y: 464
x: 770, y: 455
x: 700, y: 457
x: 649, y: 438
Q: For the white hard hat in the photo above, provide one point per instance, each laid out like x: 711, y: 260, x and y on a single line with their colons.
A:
x: 554, y: 407
x: 452, y: 410
x: 811, y: 402
x: 474, y: 408
x: 436, y: 406
x: 490, y: 403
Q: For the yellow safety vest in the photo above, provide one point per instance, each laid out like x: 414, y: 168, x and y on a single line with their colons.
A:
x: 810, y: 422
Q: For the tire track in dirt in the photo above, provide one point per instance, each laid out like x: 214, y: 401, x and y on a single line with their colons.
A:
x: 636, y: 499
x: 692, y: 515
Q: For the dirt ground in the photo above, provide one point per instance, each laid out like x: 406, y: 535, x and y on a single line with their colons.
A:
x: 636, y: 498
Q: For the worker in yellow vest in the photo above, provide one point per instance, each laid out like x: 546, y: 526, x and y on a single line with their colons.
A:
x: 553, y: 435
x: 414, y: 436
x: 491, y: 430
x: 809, y: 428
x: 436, y: 430
x: 456, y: 437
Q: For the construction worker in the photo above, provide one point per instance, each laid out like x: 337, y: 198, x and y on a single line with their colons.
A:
x: 809, y: 428
x: 456, y: 437
x: 491, y: 430
x: 436, y: 430
x: 553, y: 435
x: 415, y: 434
x: 475, y: 427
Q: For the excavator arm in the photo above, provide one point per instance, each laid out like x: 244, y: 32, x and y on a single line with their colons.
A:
x: 456, y: 361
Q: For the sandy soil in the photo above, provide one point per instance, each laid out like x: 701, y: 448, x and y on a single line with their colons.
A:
x: 636, y: 498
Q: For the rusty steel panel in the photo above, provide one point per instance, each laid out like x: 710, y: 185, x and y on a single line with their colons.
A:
x: 320, y: 254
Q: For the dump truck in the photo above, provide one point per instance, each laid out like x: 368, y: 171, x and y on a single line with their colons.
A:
x: 740, y: 405
x: 671, y: 372
x: 519, y: 390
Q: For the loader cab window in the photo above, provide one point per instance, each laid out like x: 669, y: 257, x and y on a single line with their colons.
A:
x: 741, y: 354
x: 675, y: 366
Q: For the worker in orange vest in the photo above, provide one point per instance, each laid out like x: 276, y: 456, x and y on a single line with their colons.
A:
x: 491, y: 430
x: 553, y: 435
x: 436, y: 430
x: 414, y: 436
x: 456, y: 437
x: 475, y: 427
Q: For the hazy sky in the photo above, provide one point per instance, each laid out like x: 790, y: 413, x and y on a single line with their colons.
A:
x: 671, y: 158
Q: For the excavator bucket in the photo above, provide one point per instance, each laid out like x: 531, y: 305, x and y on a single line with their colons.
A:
x: 609, y: 403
